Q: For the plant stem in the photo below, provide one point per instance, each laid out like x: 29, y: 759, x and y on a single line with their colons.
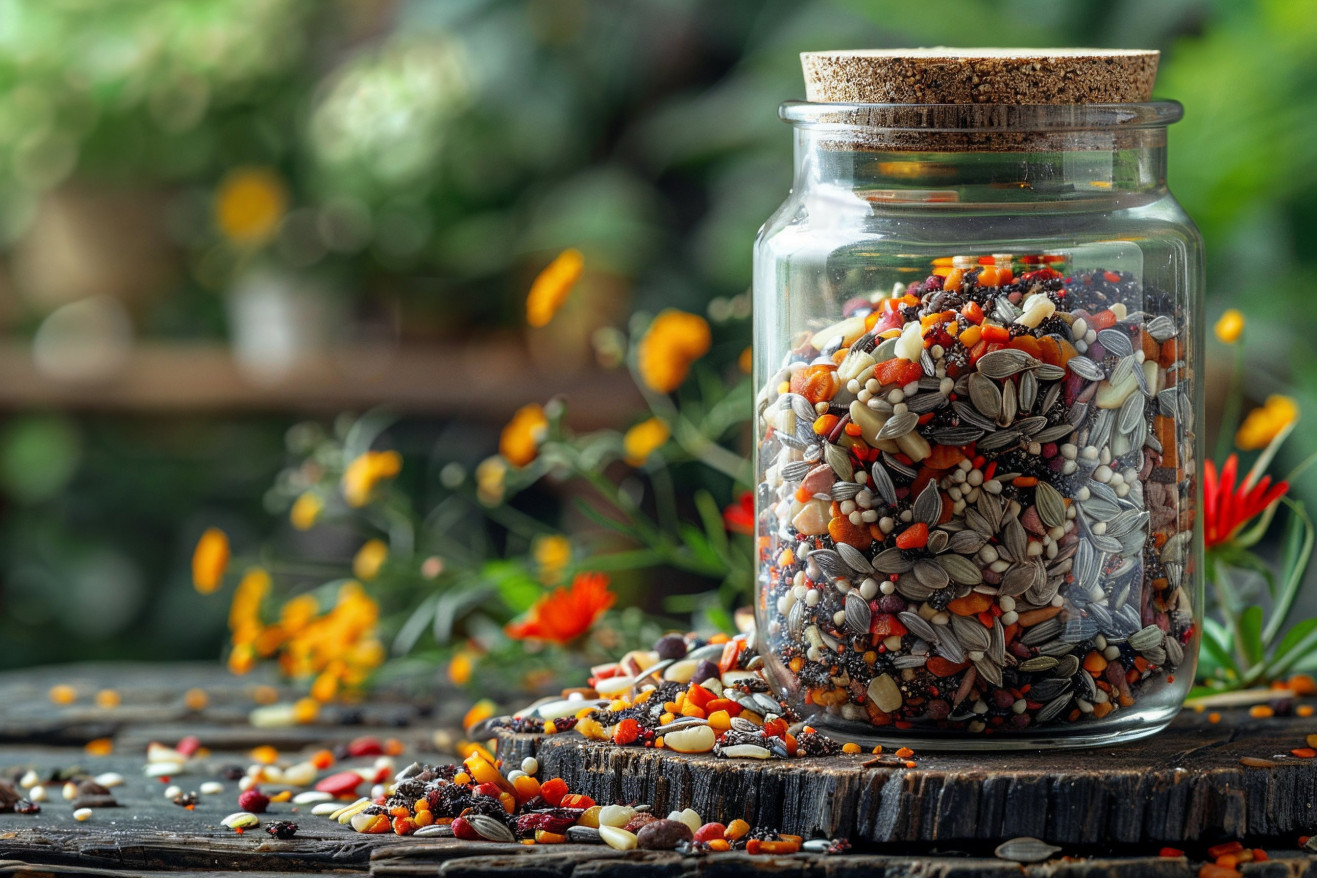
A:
x: 1230, y: 415
x: 1225, y: 599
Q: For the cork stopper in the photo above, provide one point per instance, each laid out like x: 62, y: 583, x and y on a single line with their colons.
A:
x: 980, y: 76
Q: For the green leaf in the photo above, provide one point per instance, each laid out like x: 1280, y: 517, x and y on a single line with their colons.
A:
x: 1297, y: 641
x: 699, y: 546
x: 712, y: 517
x: 1295, y: 554
x: 1250, y: 633
x: 411, y: 630
x: 1216, y: 642
x: 604, y: 521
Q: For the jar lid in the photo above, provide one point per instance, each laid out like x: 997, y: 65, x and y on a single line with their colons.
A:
x: 980, y: 76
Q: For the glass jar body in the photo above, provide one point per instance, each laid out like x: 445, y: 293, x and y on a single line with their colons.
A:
x: 976, y: 447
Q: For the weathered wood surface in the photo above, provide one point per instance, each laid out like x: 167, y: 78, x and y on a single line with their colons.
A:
x: 1185, y: 785
x: 926, y: 814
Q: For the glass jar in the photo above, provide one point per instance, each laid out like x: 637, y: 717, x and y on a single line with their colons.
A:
x: 977, y: 345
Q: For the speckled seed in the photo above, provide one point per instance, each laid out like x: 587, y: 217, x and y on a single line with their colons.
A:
x: 617, y: 839
x: 240, y: 820
x: 490, y: 828
x: 696, y: 739
x: 581, y: 835
x: 82, y: 814
x: 211, y: 788
x: 324, y: 809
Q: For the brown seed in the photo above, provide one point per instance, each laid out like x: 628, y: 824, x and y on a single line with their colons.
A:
x: 1254, y: 762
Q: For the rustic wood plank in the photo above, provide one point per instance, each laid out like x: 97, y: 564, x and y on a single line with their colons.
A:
x: 1184, y: 785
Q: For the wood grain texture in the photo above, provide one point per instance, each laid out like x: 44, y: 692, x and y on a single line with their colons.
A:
x: 1185, y: 785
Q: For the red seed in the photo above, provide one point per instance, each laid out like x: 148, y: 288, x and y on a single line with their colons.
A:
x: 253, y: 800
x: 343, y: 783
x: 188, y: 745
x: 367, y: 746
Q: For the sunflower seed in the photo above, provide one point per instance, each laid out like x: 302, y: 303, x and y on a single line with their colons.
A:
x: 1068, y: 667
x: 1052, y: 709
x: 918, y: 626
x: 891, y: 561
x: 1174, y: 652
x: 858, y: 614
x: 1131, y: 412
x: 999, y: 440
x: 898, y: 467
x: 1030, y: 426
x: 829, y: 562
x: 803, y: 408
x: 794, y: 470
x: 842, y: 491
x: 1046, y: 690
x: 931, y: 575
x: 1161, y: 328
x: 1048, y: 372
x: 1015, y: 538
x: 1078, y: 414
x: 1116, y: 342
x: 967, y: 542
x: 985, y: 395
x: 1005, y: 362
x: 1079, y: 630
x: 1051, y: 505
x: 840, y: 461
x: 925, y: 402
x: 1053, y: 433
x: 436, y: 830
x: 971, y: 416
x: 1042, y: 632
x: 950, y: 647
x: 1009, y: 405
x: 988, y: 670
x: 796, y: 618
x: 1050, y: 398
x: 970, y: 632
x: 578, y: 834
x: 854, y: 558
x: 956, y: 435
x: 1017, y: 580
x: 1026, y: 849
x: 490, y: 829
x: 928, y: 505
x: 899, y: 425
x: 1147, y: 638
x: 1085, y: 368
x: 912, y: 589
x: 937, y: 541
x: 1038, y: 663
x: 1028, y: 391
x: 997, y: 648
x: 909, y: 661
x: 882, y: 483
x: 960, y: 569
x: 981, y: 525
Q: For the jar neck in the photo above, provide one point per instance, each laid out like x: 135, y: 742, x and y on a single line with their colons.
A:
x: 1081, y: 169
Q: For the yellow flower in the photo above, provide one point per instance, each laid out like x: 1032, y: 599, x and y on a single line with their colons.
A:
x: 249, y: 204
x: 298, y: 613
x: 370, y: 558
x: 242, y: 659
x: 552, y: 286
x: 644, y: 439
x: 521, y: 438
x: 1230, y: 327
x: 306, y: 511
x: 552, y: 554
x: 1265, y: 423
x: 491, y: 480
x: 367, y: 471
x: 209, y: 560
x: 672, y: 343
x: 461, y: 665
x: 325, y: 686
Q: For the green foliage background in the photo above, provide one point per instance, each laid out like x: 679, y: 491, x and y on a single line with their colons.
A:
x: 643, y: 132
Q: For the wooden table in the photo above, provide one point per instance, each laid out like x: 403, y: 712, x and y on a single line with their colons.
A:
x: 1110, y: 810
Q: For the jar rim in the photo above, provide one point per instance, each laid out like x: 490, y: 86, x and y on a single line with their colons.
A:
x: 980, y: 118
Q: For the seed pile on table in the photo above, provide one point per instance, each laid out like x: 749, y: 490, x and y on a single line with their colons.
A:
x: 976, y: 504
x: 476, y: 801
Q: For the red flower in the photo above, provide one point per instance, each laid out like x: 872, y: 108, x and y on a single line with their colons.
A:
x: 1228, y: 508
x: 739, y: 518
x: 566, y: 613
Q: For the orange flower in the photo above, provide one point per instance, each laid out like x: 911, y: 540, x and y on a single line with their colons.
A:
x: 521, y: 438
x: 367, y: 471
x: 644, y: 439
x: 1266, y: 422
x: 249, y: 205
x: 369, y: 559
x: 209, y: 560
x: 553, y: 286
x: 306, y: 511
x: 672, y: 343
x: 566, y: 613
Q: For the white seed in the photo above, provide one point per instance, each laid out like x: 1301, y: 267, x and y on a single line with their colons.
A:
x: 300, y: 774
x: 173, y: 791
x: 516, y: 773
x: 241, y: 820
x: 164, y: 769
x: 110, y: 779
x: 619, y: 839
x: 530, y: 765
x: 361, y: 821
x: 211, y: 788
x: 696, y: 739
x: 29, y: 780
x: 324, y: 809
x: 70, y: 791
x: 614, y: 686
x: 616, y: 815
x: 82, y: 814
x: 37, y: 793
x: 311, y: 797
x: 246, y: 782
x: 688, y: 816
